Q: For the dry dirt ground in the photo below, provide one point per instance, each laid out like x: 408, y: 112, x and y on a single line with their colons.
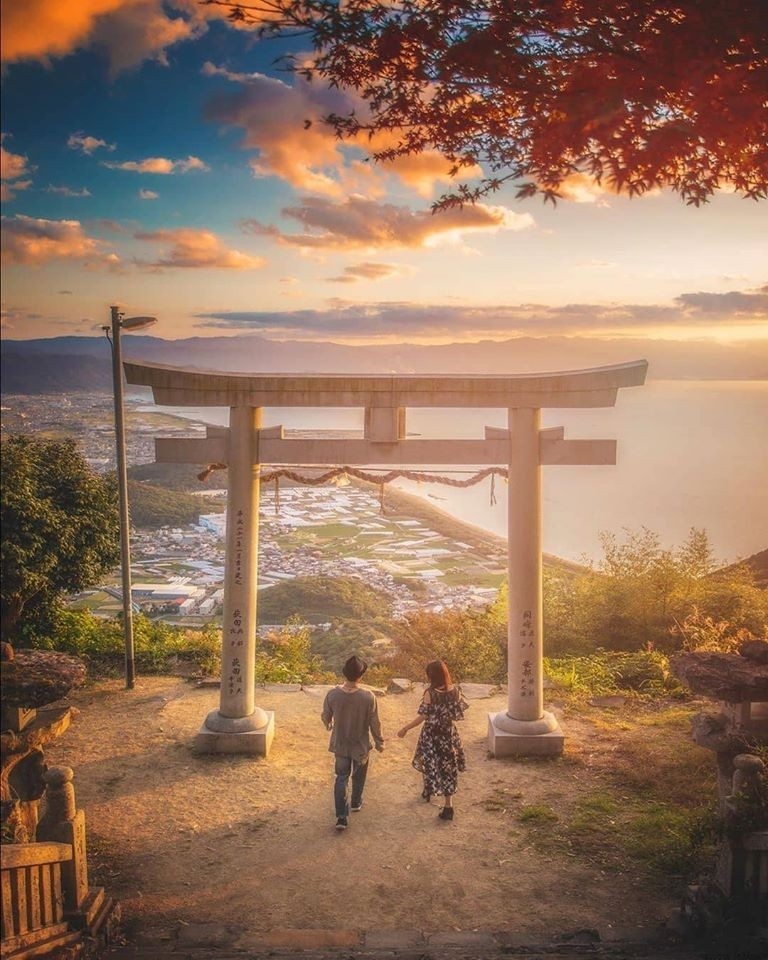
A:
x: 180, y: 838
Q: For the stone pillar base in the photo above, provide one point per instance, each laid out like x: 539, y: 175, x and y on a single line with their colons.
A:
x: 543, y: 739
x: 257, y: 741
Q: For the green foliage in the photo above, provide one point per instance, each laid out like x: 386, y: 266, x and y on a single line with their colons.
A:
x: 284, y: 656
x: 60, y: 524
x: 158, y: 647
x: 176, y: 476
x: 641, y: 596
x: 153, y: 507
x: 473, y: 643
x: 344, y: 637
x: 667, y: 838
x: 322, y: 600
x: 604, y: 673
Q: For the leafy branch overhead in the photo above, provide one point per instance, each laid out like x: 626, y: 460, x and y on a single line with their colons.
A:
x: 633, y: 94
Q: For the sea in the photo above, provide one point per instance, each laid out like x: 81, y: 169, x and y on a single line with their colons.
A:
x: 691, y: 454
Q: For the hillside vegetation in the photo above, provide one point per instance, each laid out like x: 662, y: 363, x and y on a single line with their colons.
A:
x: 153, y: 507
x: 182, y: 477
x: 321, y: 600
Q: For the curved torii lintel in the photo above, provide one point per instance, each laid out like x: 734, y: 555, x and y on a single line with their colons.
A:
x: 182, y: 386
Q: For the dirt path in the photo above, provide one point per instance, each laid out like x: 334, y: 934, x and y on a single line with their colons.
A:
x: 183, y: 838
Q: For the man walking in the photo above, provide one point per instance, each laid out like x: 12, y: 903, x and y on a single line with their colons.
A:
x: 351, y: 714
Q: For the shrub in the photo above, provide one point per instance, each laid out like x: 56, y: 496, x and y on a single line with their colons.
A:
x: 157, y: 646
x: 473, y: 643
x: 605, y: 672
x: 284, y: 656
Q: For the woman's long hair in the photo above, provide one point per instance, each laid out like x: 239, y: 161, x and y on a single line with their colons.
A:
x: 438, y: 674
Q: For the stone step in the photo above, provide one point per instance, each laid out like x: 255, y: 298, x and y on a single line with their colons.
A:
x: 219, y: 942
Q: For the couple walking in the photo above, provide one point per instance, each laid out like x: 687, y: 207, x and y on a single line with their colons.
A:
x: 350, y: 712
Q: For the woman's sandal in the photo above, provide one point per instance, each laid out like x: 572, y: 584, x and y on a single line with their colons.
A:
x: 446, y: 813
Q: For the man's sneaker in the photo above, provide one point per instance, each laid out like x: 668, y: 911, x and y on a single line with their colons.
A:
x: 341, y: 823
x: 356, y: 806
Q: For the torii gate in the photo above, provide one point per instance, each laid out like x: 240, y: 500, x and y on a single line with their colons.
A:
x: 239, y: 726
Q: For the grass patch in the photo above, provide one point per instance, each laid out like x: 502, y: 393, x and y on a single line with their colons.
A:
x: 500, y: 800
x: 537, y: 814
x: 670, y: 842
x: 669, y: 839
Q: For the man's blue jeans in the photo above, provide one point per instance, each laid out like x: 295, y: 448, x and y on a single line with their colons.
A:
x: 358, y: 769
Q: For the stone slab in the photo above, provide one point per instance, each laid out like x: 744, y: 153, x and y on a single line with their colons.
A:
x: 318, y: 689
x: 480, y: 691
x: 208, y: 935
x: 291, y: 939
x: 463, y: 939
x: 502, y: 744
x: 256, y: 742
x: 393, y: 939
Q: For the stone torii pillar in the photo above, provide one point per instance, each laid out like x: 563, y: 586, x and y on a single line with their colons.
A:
x: 239, y: 726
x: 525, y: 728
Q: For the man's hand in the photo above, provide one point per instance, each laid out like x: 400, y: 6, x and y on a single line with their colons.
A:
x: 380, y: 748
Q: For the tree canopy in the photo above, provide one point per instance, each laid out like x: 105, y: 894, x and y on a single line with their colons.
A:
x: 633, y: 95
x: 60, y: 526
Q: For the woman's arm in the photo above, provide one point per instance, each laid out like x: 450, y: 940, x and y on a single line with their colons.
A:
x: 419, y: 718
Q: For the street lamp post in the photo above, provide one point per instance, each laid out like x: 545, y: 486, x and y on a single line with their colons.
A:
x: 119, y: 323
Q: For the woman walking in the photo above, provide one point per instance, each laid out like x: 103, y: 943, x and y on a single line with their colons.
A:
x: 439, y: 754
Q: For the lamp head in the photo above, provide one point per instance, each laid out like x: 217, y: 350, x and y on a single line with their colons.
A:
x: 136, y: 323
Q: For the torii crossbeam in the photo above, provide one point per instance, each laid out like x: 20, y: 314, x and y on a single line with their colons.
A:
x: 525, y: 728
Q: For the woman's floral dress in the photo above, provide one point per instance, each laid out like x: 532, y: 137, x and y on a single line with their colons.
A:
x: 439, y: 754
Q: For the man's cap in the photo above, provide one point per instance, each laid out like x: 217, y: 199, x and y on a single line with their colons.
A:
x: 354, y: 668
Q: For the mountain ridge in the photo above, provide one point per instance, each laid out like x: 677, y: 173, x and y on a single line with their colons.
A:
x: 76, y: 363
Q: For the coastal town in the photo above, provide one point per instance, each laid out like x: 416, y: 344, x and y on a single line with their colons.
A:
x: 315, y: 531
x: 336, y: 530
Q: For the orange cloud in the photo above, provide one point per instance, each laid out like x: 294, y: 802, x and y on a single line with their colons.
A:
x: 87, y: 144
x: 367, y: 271
x: 129, y: 30
x: 142, y: 30
x: 581, y: 188
x: 159, y: 165
x: 197, y: 249
x: 362, y: 223
x: 420, y: 171
x: 37, y: 29
x: 284, y: 125
x: 31, y: 241
x: 12, y: 166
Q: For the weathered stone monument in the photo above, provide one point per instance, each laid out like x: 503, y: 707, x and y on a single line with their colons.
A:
x: 523, y: 448
x: 48, y: 905
x: 737, y: 732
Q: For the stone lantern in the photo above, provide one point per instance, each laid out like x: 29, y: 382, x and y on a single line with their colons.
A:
x: 737, y: 734
x: 30, y: 682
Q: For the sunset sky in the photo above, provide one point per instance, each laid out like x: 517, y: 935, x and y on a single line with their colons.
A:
x: 155, y: 156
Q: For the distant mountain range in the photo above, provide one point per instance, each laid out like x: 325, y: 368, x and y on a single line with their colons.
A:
x: 69, y: 364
